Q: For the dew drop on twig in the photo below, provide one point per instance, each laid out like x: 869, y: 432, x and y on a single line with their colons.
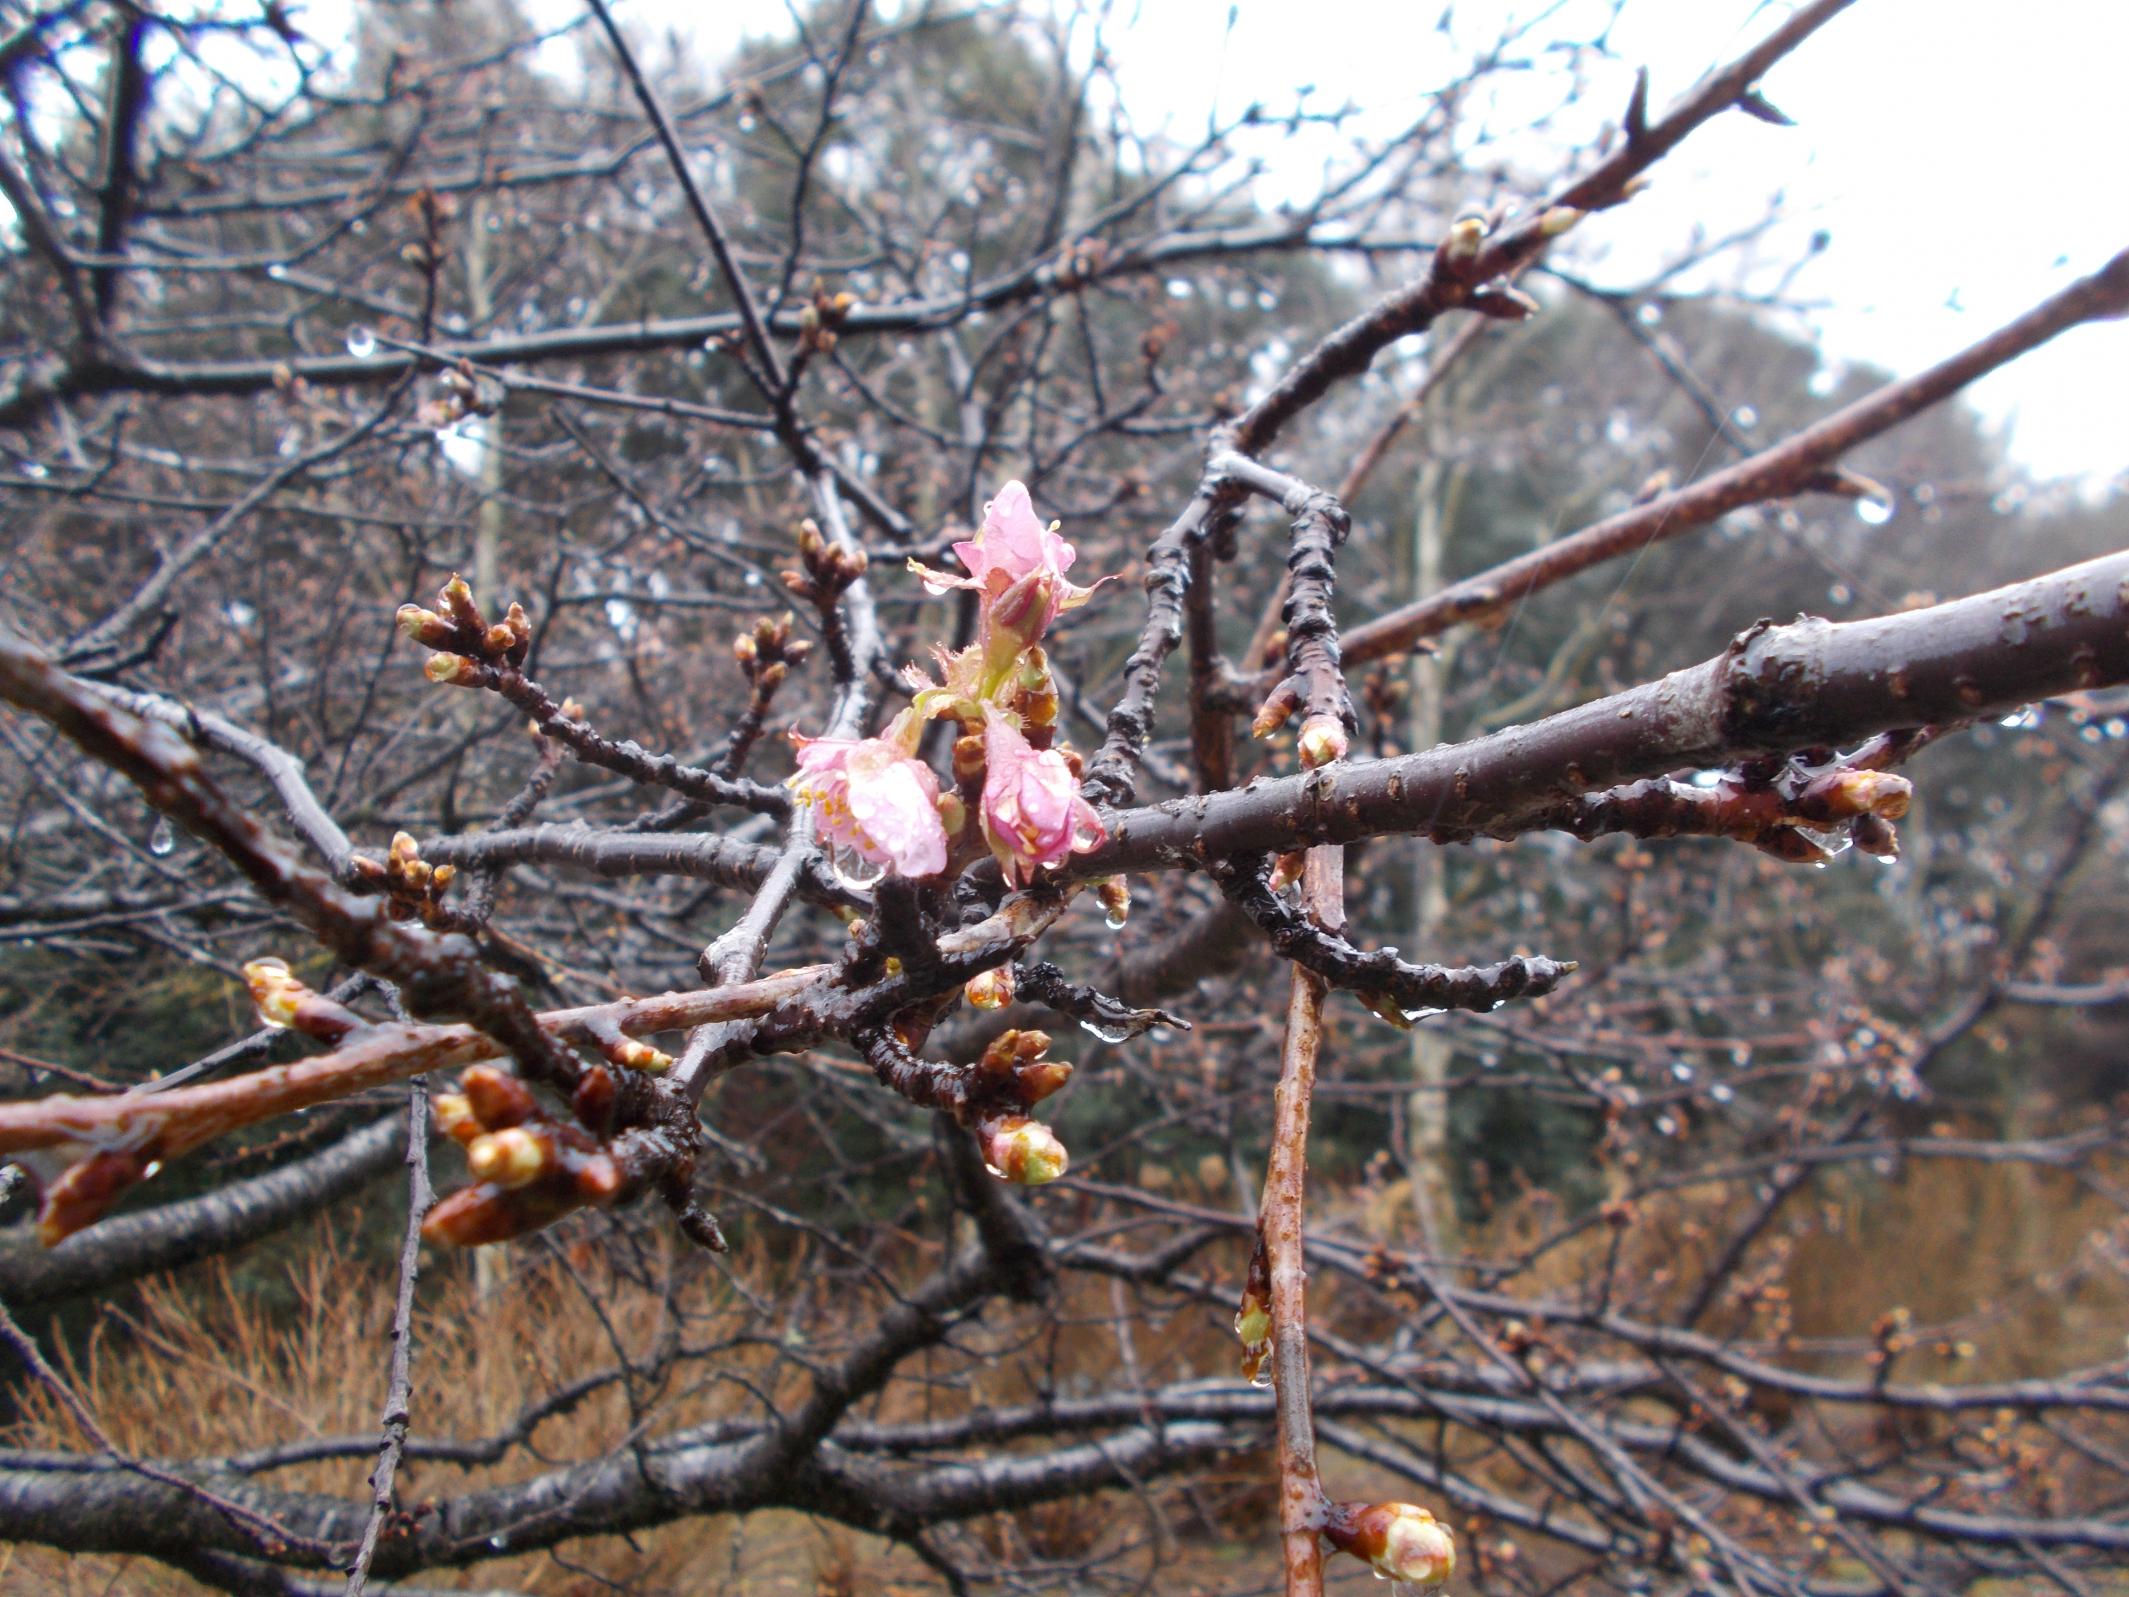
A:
x: 163, y: 838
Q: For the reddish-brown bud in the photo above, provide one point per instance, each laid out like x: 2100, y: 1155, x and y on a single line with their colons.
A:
x: 426, y: 627
x: 457, y: 600
x: 452, y: 671
x: 455, y: 1117
x: 1400, y: 1541
x: 499, y: 1099
x: 1042, y: 1078
x: 87, y: 1190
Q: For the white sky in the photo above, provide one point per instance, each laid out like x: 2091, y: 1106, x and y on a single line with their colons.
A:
x: 1968, y: 157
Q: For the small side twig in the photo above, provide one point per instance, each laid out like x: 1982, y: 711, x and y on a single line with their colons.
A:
x: 399, y: 1389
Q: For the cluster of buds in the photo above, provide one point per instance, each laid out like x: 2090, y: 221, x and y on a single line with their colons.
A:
x: 460, y: 393
x: 1399, y: 1541
x: 1891, y: 1335
x: 431, y: 210
x: 878, y: 801
x: 1013, y: 1070
x: 826, y: 568
x: 413, y: 887
x: 530, y: 1169
x: 766, y: 655
x: 463, y: 639
x: 820, y: 318
x: 1822, y: 804
x: 1015, y: 1059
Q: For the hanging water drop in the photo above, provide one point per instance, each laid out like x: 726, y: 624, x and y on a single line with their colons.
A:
x: 163, y: 839
x: 361, y: 342
x: 1722, y: 1092
x: 1873, y: 512
x: 1681, y: 1071
x: 1422, y: 1014
x: 1107, y: 1033
x: 1114, y: 921
x: 845, y: 871
x: 1262, y: 1379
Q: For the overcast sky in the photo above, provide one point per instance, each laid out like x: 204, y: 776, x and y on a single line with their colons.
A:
x: 1966, y: 156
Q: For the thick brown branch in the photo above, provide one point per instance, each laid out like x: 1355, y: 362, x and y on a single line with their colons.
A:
x: 1775, y: 689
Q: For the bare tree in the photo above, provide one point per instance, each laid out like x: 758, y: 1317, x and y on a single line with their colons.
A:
x: 290, y: 343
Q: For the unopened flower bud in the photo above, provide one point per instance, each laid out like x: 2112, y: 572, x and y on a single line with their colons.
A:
x: 1322, y: 741
x: 274, y: 992
x: 454, y: 1117
x: 425, y: 627
x: 1273, y: 715
x: 1399, y: 1541
x: 642, y: 1056
x: 1023, y: 1151
x: 1880, y: 793
x: 1876, y: 836
x: 1253, y: 1331
x: 513, y: 1157
x: 498, y: 640
x: 457, y: 598
x: 452, y: 670
x: 1114, y: 894
x: 1466, y: 234
x: 991, y: 990
x: 1559, y: 219
x: 1041, y: 1079
x: 499, y: 1099
x: 404, y: 849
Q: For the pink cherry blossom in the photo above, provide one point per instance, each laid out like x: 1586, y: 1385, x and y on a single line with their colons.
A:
x: 872, y: 800
x: 1033, y: 814
x: 1018, y: 564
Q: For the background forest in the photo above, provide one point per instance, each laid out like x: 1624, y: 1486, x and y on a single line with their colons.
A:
x: 1780, y: 1247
